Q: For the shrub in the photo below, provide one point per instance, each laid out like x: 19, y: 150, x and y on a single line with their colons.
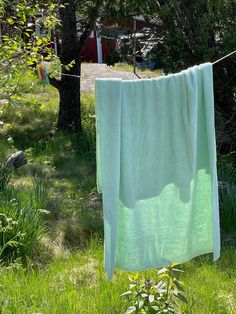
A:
x: 160, y: 295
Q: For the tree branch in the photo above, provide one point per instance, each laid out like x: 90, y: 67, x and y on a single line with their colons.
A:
x: 91, y: 22
x: 54, y: 82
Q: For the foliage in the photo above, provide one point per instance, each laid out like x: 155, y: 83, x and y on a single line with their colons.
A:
x: 6, y: 227
x: 225, y: 132
x: 21, y: 46
x: 197, y: 32
x: 227, y: 193
x: 160, y: 295
x: 194, y: 32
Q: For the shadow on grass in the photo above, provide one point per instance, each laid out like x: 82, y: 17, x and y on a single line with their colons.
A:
x: 67, y: 165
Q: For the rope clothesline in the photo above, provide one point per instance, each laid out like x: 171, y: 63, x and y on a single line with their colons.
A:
x: 90, y: 78
x: 229, y: 54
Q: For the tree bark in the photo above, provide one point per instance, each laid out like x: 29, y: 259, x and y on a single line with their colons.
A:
x: 69, y: 118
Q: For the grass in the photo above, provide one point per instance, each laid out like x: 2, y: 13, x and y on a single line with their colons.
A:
x: 67, y: 273
x: 144, y: 73
x: 74, y: 284
x: 77, y: 284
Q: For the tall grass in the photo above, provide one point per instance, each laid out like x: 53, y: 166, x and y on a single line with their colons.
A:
x: 5, y: 175
x: 24, y: 208
x: 78, y: 284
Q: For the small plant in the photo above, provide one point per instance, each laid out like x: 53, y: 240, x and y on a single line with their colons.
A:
x: 161, y: 295
x: 6, y: 226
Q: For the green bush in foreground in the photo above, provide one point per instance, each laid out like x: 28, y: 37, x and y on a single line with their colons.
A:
x: 159, y: 295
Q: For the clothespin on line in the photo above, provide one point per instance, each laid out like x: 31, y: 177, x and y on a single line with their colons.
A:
x: 42, y: 73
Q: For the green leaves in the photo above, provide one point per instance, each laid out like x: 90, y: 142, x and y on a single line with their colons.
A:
x: 162, y: 294
x: 23, y: 44
x: 39, y: 42
x: 10, y: 21
x: 130, y: 310
x: 181, y: 297
x: 127, y: 293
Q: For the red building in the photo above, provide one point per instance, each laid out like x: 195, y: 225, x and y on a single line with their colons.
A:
x: 98, y: 48
x: 104, y: 44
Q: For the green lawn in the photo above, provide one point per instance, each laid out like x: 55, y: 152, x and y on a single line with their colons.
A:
x: 142, y: 72
x: 65, y: 272
x: 76, y: 283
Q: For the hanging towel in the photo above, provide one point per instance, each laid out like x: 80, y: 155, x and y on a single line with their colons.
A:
x: 156, y: 169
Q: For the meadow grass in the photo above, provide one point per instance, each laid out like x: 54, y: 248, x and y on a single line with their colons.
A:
x: 77, y: 283
x: 66, y: 273
x: 143, y: 72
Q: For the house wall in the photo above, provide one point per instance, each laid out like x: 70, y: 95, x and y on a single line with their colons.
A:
x: 108, y: 47
x: 90, y: 51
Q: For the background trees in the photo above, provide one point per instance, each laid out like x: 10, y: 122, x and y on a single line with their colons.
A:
x: 21, y: 48
x: 86, y: 13
x: 194, y: 32
x: 197, y: 32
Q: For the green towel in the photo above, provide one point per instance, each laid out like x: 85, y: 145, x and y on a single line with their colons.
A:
x: 156, y: 169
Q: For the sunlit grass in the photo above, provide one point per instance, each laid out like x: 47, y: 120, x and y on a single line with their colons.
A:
x: 67, y: 273
x: 77, y: 283
x: 142, y: 72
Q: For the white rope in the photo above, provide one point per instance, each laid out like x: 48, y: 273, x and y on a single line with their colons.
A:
x: 72, y: 75
x: 91, y: 78
x: 231, y: 53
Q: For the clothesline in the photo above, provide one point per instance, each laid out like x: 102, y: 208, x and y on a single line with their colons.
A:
x: 90, y: 78
x: 229, y: 54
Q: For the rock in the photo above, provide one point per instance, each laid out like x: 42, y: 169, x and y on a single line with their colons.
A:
x: 16, y: 160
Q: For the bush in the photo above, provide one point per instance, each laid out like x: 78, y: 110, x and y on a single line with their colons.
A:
x: 160, y: 295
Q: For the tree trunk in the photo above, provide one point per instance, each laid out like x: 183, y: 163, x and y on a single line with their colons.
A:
x: 69, y: 118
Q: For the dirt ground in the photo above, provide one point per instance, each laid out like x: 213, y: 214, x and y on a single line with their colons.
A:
x: 91, y: 71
